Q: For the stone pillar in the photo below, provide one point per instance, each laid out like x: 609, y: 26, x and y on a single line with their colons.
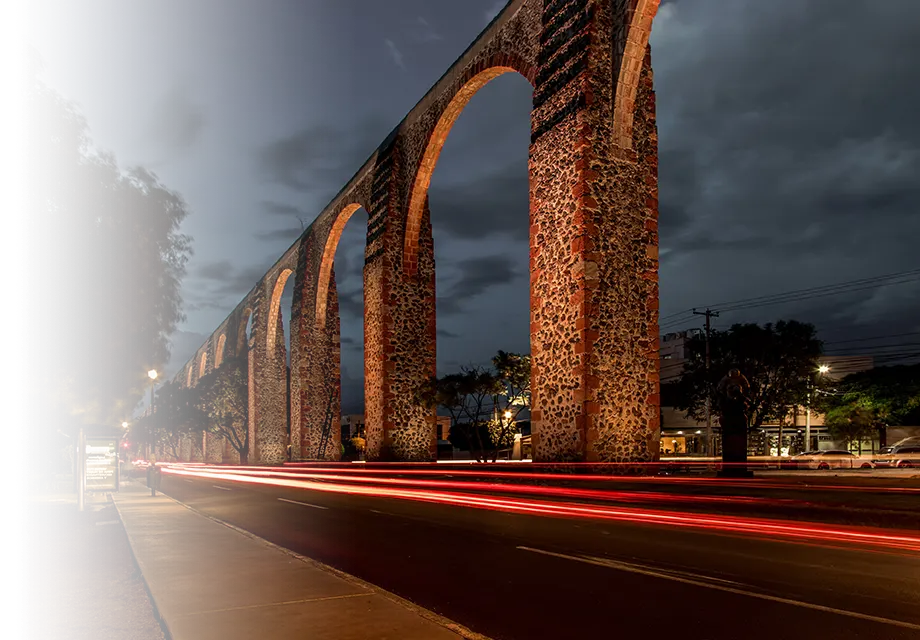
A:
x: 594, y: 257
x: 323, y: 408
x: 399, y: 328
x: 197, y: 452
x: 185, y: 449
x: 268, y: 391
x: 213, y: 448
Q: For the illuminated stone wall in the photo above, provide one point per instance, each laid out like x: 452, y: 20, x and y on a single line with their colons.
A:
x: 594, y: 256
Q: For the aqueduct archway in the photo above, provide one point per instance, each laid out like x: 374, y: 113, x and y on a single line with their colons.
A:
x: 593, y: 253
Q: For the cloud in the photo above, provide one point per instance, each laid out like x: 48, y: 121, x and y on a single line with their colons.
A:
x: 425, y: 32
x: 780, y: 166
x: 318, y: 160
x: 395, y: 53
x: 289, y: 233
x: 282, y: 209
x: 178, y: 121
x: 495, y: 204
x: 476, y: 276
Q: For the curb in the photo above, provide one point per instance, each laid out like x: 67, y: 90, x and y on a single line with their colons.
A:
x: 431, y: 616
x: 153, y: 603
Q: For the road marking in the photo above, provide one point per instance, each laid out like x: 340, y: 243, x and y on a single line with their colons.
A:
x: 306, y: 504
x: 702, y: 581
x: 221, y: 488
x: 107, y: 522
x: 189, y: 481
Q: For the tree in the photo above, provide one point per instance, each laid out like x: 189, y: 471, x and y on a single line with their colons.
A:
x: 891, y: 395
x: 176, y: 418
x: 223, y: 396
x: 777, y: 359
x: 512, y: 372
x: 482, y: 403
x: 851, y: 423
x: 113, y: 260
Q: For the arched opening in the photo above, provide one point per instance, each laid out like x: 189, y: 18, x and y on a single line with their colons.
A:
x: 477, y: 187
x: 219, y: 352
x: 633, y: 55
x: 188, y: 378
x: 436, y: 142
x: 203, y: 365
x: 343, y: 260
x: 244, y: 332
x: 278, y: 291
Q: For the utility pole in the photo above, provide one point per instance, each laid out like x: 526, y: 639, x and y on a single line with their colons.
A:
x: 710, y: 450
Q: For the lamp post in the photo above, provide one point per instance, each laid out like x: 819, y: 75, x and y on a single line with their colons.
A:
x: 152, y: 374
x: 822, y: 369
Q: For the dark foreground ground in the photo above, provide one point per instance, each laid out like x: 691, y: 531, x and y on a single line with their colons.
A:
x: 84, y: 583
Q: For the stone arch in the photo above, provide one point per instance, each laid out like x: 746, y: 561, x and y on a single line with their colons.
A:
x: 470, y: 84
x: 631, y: 51
x: 242, y: 340
x: 188, y: 378
x: 219, y: 352
x: 328, y: 259
x: 203, y: 365
x: 275, y: 306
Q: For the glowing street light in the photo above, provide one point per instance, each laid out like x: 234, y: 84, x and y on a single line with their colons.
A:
x: 822, y: 369
x: 124, y: 425
x: 152, y: 374
x: 507, y: 415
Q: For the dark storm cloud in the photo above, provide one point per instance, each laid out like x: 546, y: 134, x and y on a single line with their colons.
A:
x: 444, y: 333
x: 789, y: 147
x: 496, y: 204
x: 476, y: 276
x: 274, y: 235
x: 321, y: 158
x: 177, y: 122
x: 224, y: 279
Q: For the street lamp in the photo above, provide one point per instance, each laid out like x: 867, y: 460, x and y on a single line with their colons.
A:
x: 822, y: 369
x: 124, y: 425
x: 152, y: 374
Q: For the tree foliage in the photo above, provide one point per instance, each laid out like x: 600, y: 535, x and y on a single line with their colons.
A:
x: 223, y: 397
x: 99, y: 259
x: 113, y: 259
x: 891, y: 395
x: 777, y: 359
x: 851, y: 423
x: 483, y: 403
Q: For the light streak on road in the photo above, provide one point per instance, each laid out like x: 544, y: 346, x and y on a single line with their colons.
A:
x: 764, y: 528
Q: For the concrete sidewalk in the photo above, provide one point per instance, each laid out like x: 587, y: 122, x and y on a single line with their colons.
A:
x: 210, y: 580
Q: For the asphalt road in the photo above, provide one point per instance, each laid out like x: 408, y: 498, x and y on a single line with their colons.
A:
x: 529, y: 576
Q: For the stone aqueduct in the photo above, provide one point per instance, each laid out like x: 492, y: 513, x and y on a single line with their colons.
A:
x: 593, y: 256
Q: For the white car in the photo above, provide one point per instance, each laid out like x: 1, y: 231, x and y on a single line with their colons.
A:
x: 830, y: 459
x: 898, y: 456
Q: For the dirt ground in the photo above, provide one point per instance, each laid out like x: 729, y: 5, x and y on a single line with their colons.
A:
x: 75, y: 577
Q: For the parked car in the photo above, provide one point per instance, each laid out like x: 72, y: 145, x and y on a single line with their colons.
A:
x: 830, y: 459
x: 898, y: 456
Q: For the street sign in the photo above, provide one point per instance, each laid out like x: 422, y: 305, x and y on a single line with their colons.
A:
x: 101, y: 464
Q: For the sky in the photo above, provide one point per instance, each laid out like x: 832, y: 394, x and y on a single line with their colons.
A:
x: 789, y: 152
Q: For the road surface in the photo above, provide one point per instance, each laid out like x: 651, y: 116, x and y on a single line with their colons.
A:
x: 517, y: 575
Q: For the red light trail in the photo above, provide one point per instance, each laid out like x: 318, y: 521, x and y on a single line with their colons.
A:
x: 760, y: 527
